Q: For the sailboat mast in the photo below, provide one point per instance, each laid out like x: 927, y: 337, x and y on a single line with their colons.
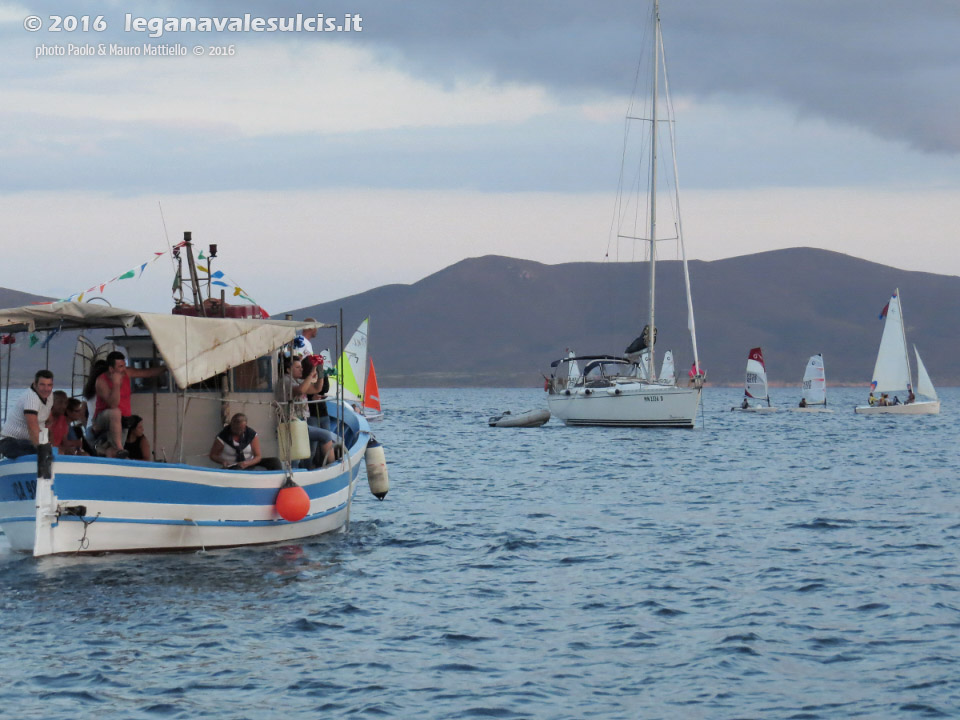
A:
x: 903, y: 334
x: 652, y: 367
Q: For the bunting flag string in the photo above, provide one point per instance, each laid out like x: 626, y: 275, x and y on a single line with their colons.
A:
x: 218, y: 278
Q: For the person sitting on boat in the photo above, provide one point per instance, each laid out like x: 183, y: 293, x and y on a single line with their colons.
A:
x: 745, y: 405
x: 911, y: 398
x: 884, y: 400
x: 20, y: 434
x: 75, y: 443
x: 113, y: 403
x: 237, y: 446
x: 293, y: 388
x: 57, y: 423
x: 137, y: 445
x: 803, y: 402
x: 896, y: 400
x: 871, y: 400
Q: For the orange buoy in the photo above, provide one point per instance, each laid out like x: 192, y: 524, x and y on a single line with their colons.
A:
x: 292, y: 502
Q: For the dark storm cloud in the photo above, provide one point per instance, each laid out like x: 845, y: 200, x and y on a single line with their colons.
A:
x: 892, y: 68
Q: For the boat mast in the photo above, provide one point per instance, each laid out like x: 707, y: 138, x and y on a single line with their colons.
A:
x: 903, y: 334
x: 652, y: 336
x: 194, y: 278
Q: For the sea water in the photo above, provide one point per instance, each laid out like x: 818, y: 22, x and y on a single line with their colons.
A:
x: 760, y: 566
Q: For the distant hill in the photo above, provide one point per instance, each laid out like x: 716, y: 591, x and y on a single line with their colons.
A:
x: 499, y: 321
x: 27, y: 360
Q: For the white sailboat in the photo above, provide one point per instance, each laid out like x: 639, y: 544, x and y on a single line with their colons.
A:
x: 756, y: 390
x: 621, y: 390
x: 814, y: 397
x: 891, y: 373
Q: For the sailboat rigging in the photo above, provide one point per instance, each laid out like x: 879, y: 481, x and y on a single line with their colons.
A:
x: 625, y: 390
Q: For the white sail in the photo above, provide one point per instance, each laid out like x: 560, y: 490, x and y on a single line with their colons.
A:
x: 924, y: 385
x: 892, y: 373
x: 755, y: 385
x: 644, y: 364
x: 667, y: 372
x: 573, y: 369
x: 815, y: 382
x: 351, y: 366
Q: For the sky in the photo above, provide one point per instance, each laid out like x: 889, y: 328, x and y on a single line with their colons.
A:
x: 324, y: 164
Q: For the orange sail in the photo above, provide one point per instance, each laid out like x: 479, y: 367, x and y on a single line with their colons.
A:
x: 371, y: 391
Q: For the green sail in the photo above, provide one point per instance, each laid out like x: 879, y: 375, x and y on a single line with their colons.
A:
x: 346, y: 378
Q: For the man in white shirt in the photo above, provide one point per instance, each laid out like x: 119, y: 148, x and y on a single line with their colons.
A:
x: 20, y: 434
x: 302, y: 347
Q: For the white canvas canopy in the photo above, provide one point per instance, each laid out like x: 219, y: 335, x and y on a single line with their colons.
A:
x: 193, y: 348
x: 814, y: 382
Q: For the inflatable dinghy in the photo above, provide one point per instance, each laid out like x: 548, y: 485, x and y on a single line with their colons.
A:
x: 531, y: 418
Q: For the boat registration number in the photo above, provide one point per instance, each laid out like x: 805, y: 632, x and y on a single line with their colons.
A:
x: 653, y: 398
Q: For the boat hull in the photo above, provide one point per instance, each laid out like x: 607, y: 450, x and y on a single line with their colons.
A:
x: 928, y: 407
x: 761, y: 409
x: 635, y: 405
x: 94, y: 505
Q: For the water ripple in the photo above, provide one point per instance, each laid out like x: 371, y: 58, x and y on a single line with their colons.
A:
x: 792, y: 566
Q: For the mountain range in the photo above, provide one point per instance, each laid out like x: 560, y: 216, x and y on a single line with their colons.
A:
x: 499, y: 321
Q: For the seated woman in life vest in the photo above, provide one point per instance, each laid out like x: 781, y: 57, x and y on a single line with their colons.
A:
x: 237, y: 446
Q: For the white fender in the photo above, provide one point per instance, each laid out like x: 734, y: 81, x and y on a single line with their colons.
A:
x: 377, y: 476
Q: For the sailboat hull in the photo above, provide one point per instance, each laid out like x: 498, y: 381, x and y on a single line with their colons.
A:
x: 929, y: 407
x: 627, y: 405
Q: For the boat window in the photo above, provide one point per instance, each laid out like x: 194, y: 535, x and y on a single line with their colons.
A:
x: 152, y: 384
x: 608, y: 369
x: 253, y: 376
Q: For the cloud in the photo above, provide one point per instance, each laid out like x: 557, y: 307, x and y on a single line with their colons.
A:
x: 293, y: 249
x: 319, y: 89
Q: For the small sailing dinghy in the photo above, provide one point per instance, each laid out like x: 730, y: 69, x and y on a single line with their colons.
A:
x: 531, y: 418
x: 370, y: 407
x: 814, y: 398
x: 891, y: 374
x: 755, y: 389
x: 359, y: 384
x: 351, y: 366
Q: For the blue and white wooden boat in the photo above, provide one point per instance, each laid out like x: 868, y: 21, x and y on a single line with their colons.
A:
x: 217, y: 366
x: 95, y: 504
